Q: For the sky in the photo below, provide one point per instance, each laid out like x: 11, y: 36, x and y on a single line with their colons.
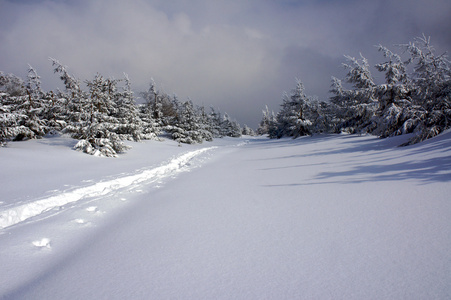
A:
x: 234, y: 55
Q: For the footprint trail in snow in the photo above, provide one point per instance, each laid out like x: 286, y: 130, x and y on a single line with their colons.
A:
x: 14, y: 215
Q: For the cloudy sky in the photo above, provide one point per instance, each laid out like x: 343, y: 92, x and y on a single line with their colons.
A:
x: 236, y: 55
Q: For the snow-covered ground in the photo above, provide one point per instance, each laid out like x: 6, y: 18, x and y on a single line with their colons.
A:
x: 323, y: 217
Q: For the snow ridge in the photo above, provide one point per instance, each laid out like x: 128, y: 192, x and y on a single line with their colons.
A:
x: 23, y: 212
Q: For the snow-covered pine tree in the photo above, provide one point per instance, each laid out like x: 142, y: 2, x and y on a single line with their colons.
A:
x: 168, y: 108
x: 214, y: 119
x: 129, y: 125
x: 204, y: 124
x: 52, y: 107
x: 329, y: 117
x: 71, y: 102
x: 151, y: 129
x: 10, y: 125
x: 291, y: 119
x: 150, y: 114
x: 71, y: 83
x: 56, y: 112
x: 35, y: 104
x: 395, y: 114
x: 153, y: 102
x: 33, y: 85
x: 11, y: 87
x: 96, y: 125
x: 357, y: 106
x: 432, y: 81
x: 236, y: 129
x: 405, y: 103
x: 318, y: 114
x: 230, y: 127
x: 100, y: 117
x: 11, y: 120
x: 283, y: 119
x: 186, y: 128
x: 247, y: 131
x: 21, y: 108
x: 267, y: 123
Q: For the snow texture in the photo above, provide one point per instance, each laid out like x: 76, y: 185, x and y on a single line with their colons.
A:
x: 322, y: 217
x: 23, y: 212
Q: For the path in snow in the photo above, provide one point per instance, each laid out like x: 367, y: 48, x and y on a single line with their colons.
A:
x: 26, y: 211
x: 325, y: 217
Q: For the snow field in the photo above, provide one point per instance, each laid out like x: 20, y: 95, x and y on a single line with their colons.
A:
x: 42, y: 242
x: 323, y: 217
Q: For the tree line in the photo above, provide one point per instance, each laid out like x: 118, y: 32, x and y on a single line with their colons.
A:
x: 104, y: 113
x: 415, y: 98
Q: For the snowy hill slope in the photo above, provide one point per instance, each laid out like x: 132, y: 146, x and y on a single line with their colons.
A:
x: 337, y: 216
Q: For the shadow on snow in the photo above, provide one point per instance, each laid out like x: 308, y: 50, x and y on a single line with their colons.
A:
x: 379, y: 168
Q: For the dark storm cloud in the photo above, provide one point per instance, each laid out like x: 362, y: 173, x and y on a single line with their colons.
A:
x: 311, y: 67
x: 235, y: 55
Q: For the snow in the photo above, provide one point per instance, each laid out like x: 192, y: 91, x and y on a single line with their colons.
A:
x: 30, y: 209
x: 322, y: 217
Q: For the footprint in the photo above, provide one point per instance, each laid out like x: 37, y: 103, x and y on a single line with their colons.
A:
x: 80, y: 221
x: 42, y: 243
x: 92, y: 209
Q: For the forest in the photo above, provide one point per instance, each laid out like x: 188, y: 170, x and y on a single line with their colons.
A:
x: 415, y: 98
x: 102, y: 113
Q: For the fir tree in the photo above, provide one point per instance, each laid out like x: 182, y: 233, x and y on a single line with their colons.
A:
x: 291, y: 119
x: 395, y: 111
x: 22, y: 107
x: 129, y: 125
x: 187, y: 127
x: 432, y: 80
x: 357, y: 106
x: 230, y: 127
x: 214, y: 123
x: 153, y: 103
x: 247, y: 131
x: 267, y: 123
x: 94, y: 122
